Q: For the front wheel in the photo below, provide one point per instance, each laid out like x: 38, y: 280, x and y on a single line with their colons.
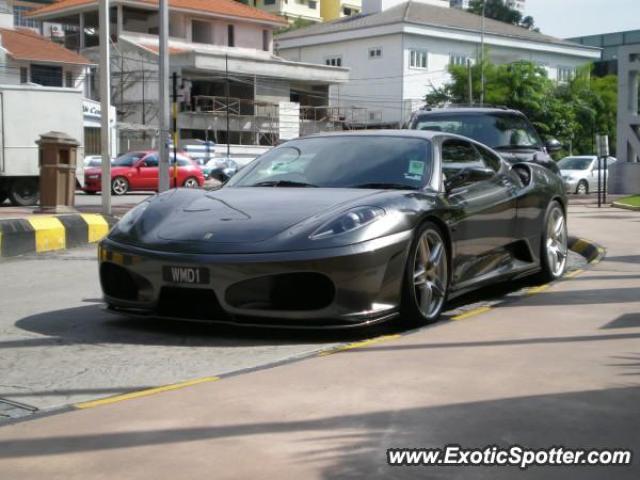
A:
x: 119, y: 186
x: 190, y: 183
x: 582, y: 188
x: 426, y: 281
x: 24, y: 192
x: 554, y: 250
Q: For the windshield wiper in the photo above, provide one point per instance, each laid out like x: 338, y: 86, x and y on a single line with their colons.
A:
x: 517, y: 147
x: 282, y: 183
x: 385, y: 186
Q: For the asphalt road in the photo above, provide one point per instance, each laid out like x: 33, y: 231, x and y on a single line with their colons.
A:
x: 58, y: 346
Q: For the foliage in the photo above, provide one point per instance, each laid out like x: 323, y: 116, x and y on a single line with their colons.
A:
x: 296, y: 24
x: 573, y: 112
x: 499, y: 10
x: 632, y: 201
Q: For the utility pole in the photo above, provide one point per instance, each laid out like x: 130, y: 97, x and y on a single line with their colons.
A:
x: 105, y: 106
x: 470, y: 73
x: 163, y: 98
x: 484, y: 6
x: 174, y: 124
x: 144, y: 113
x: 226, y: 91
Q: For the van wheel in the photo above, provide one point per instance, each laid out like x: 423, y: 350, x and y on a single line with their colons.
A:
x: 582, y: 188
x: 24, y: 192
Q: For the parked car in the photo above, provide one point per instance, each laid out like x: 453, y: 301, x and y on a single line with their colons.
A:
x: 509, y: 132
x: 139, y: 171
x: 220, y: 168
x: 92, y: 161
x: 339, y: 230
x: 580, y: 173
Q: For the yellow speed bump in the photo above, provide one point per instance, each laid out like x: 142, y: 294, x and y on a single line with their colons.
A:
x: 97, y: 226
x: 144, y: 393
x: 50, y: 233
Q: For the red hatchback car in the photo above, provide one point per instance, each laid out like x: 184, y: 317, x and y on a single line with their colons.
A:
x: 139, y: 171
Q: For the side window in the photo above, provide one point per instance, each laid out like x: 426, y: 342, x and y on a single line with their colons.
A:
x: 151, y: 161
x: 458, y: 154
x: 490, y: 159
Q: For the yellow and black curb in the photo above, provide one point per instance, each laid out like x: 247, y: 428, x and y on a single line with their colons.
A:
x: 588, y: 249
x: 45, y: 233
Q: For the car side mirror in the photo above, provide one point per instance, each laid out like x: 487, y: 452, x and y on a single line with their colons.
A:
x: 467, y: 175
x: 553, y: 145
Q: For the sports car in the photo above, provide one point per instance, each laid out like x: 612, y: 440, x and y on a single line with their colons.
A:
x: 339, y: 230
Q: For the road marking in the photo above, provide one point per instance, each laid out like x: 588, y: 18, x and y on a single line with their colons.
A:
x: 541, y: 288
x: 471, y: 313
x: 364, y: 343
x: 143, y: 393
x: 575, y: 273
x: 49, y: 232
x: 97, y: 226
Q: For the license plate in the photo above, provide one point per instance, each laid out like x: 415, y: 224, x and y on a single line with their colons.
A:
x: 186, y: 275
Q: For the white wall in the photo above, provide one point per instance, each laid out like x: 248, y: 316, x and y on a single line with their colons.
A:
x: 382, y: 93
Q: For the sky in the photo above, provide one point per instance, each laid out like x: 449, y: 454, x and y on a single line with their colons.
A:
x: 574, y: 18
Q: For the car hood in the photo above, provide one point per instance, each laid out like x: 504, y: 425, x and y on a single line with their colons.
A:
x: 252, y: 214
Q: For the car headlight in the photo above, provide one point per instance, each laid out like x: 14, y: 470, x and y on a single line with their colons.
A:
x: 348, y: 222
x: 130, y: 218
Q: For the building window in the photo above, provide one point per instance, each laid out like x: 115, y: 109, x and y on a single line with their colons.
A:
x: 46, y: 75
x: 24, y: 74
x: 269, y: 2
x: 265, y: 40
x: 566, y: 74
x: 333, y: 61
x: 418, y: 59
x: 375, y: 52
x: 455, y: 59
x: 20, y: 20
x: 231, y: 40
x: 68, y: 80
x: 348, y: 11
x: 200, y: 31
x: 313, y: 4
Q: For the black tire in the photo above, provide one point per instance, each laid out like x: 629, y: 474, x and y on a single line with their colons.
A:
x: 119, y: 186
x: 582, y: 188
x: 24, y: 192
x: 411, y: 314
x: 3, y: 197
x: 191, y: 182
x: 90, y: 192
x: 550, y: 271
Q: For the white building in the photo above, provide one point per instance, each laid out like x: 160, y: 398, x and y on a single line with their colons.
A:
x: 212, y: 45
x: 399, y: 51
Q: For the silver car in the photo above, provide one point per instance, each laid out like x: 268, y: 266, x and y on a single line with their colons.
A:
x: 580, y: 173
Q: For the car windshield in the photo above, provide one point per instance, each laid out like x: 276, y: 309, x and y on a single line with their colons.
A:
x: 574, y: 163
x: 493, y: 129
x: 128, y: 159
x: 342, y: 162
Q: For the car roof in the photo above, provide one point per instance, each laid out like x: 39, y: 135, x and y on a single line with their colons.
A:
x: 424, y: 134
x: 445, y: 110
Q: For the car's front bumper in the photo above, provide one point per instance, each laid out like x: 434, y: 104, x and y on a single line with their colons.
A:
x: 366, y: 280
x: 570, y: 184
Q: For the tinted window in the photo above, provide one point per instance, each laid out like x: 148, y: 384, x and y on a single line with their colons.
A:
x: 128, y: 159
x: 492, y: 129
x: 491, y: 160
x: 151, y: 160
x: 458, y: 154
x: 574, y: 163
x: 344, y: 161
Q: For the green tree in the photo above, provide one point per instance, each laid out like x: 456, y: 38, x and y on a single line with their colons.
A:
x: 571, y: 112
x: 499, y: 10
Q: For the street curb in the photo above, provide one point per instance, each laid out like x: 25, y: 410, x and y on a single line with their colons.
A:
x: 588, y: 249
x: 46, y: 233
x: 625, y: 207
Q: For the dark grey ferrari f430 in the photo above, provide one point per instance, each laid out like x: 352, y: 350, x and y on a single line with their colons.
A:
x: 339, y: 230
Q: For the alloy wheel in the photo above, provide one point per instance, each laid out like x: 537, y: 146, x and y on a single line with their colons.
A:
x: 556, y: 246
x: 191, y: 183
x: 582, y: 188
x: 430, y: 274
x: 119, y: 186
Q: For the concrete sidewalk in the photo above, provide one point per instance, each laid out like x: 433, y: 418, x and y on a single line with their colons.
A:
x: 558, y: 367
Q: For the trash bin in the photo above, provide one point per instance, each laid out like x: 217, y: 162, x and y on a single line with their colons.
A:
x: 58, y: 153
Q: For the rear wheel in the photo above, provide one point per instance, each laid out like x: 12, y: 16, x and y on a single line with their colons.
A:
x: 582, y: 188
x: 426, y: 279
x: 190, y: 183
x: 554, y: 250
x: 24, y: 192
x: 119, y: 186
